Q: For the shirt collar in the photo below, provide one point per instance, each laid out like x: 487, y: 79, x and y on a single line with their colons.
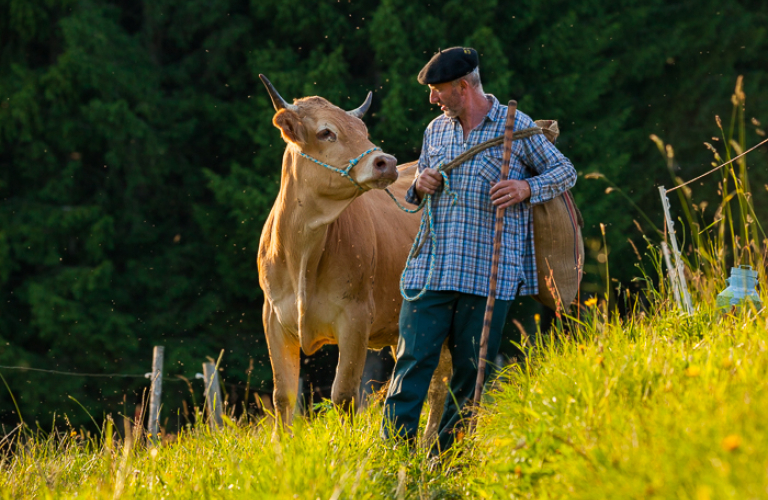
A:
x: 494, y: 114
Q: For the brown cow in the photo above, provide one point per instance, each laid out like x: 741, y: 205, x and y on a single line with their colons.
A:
x: 331, y: 252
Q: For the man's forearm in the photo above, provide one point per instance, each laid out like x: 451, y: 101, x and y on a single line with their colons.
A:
x: 553, y: 182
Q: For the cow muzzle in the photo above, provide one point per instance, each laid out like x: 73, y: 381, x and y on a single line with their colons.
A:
x: 384, y: 168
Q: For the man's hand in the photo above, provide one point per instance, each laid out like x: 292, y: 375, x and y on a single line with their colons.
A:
x: 504, y: 194
x: 428, y: 182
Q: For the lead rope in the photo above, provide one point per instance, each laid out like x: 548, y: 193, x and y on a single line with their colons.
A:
x: 426, y: 201
x: 430, y: 221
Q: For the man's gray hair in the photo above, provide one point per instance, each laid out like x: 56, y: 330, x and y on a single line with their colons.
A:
x: 473, y: 79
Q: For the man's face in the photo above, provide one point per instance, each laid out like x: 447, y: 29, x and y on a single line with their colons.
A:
x: 449, y: 98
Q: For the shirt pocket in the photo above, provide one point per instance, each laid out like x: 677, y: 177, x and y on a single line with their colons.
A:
x: 485, y: 174
x: 489, y: 168
x: 436, y: 156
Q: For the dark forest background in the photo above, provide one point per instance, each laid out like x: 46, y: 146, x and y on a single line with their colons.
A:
x: 138, y: 161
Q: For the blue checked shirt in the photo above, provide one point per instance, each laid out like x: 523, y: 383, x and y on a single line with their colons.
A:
x: 465, y: 229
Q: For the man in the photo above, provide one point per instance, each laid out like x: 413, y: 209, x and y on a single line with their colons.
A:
x: 453, y: 305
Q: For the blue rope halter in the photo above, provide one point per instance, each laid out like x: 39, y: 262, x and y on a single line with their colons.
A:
x: 343, y: 173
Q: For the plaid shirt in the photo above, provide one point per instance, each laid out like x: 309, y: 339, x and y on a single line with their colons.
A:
x: 465, y: 230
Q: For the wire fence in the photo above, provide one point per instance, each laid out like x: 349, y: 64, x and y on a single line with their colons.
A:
x: 718, y: 167
x: 77, y: 374
x: 177, y: 378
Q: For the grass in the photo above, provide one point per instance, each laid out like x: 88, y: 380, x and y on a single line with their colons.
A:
x: 653, y: 405
x: 331, y: 456
x: 667, y: 407
x: 661, y: 406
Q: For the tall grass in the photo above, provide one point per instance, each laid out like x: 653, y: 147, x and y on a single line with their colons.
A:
x: 654, y: 406
x: 732, y: 235
x: 662, y: 407
x: 328, y: 456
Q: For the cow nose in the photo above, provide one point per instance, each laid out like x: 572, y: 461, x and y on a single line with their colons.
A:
x: 386, y: 165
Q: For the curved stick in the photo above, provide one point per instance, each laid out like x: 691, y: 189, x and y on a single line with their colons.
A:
x: 508, y: 138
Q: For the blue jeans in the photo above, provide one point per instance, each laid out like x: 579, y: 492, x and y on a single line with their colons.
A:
x: 424, y: 326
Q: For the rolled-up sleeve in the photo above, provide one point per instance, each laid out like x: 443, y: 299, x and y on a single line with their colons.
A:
x: 411, y: 196
x: 555, y: 172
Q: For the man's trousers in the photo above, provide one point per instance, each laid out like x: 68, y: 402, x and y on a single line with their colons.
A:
x: 424, y: 326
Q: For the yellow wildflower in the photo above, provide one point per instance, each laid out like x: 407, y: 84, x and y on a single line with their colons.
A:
x: 591, y: 302
x: 693, y: 371
x: 704, y: 493
x: 731, y: 442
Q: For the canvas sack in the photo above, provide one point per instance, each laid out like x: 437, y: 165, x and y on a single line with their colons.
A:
x: 558, y: 243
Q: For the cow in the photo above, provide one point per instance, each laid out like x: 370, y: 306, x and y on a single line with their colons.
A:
x: 332, y: 251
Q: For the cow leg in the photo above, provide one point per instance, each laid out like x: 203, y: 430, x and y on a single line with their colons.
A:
x: 353, y: 346
x: 285, y: 358
x: 438, y: 390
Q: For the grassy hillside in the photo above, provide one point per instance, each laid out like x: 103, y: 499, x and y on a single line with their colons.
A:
x: 669, y: 407
x: 660, y: 406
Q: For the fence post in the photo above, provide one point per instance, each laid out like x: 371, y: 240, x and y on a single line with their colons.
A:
x: 685, y: 295
x: 674, y: 283
x: 213, y: 393
x: 155, y: 392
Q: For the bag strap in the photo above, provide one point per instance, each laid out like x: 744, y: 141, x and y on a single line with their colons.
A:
x: 571, y: 201
x: 474, y: 150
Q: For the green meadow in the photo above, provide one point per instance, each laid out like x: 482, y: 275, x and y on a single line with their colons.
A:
x: 658, y: 406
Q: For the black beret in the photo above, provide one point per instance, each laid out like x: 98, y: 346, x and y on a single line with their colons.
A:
x: 448, y: 65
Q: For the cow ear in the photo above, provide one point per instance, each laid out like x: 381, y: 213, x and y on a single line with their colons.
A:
x: 290, y: 125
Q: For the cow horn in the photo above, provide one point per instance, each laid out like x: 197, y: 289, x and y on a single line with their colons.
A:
x: 359, y: 112
x: 277, y: 101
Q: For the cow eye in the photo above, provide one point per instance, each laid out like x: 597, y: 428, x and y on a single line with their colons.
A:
x: 326, y: 135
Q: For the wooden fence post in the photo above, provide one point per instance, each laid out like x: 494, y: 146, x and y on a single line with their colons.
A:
x: 155, y: 392
x: 213, y: 394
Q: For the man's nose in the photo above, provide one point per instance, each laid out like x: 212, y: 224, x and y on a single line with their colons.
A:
x: 433, y: 97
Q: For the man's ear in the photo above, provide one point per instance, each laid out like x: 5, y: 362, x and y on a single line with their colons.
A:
x: 290, y: 125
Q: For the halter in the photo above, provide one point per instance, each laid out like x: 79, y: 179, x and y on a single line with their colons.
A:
x: 343, y: 173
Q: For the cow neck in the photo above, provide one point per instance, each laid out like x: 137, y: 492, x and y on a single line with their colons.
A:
x: 302, y: 225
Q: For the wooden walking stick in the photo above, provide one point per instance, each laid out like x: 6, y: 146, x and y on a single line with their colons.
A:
x: 508, y: 136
